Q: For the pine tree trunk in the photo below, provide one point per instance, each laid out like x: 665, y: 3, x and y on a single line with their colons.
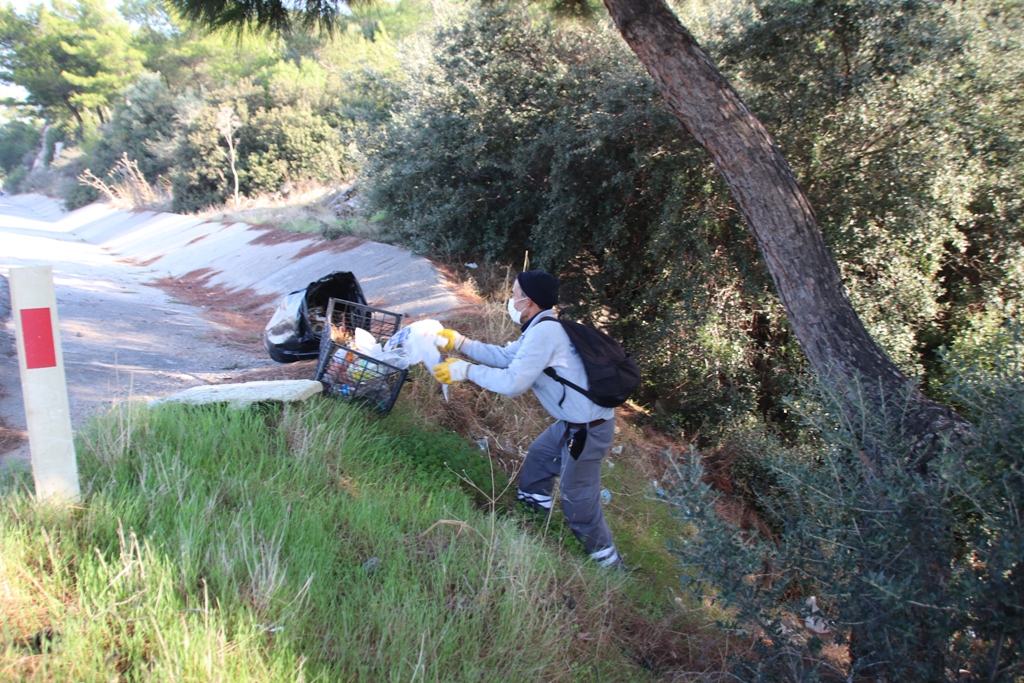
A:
x: 780, y: 217
x: 78, y: 116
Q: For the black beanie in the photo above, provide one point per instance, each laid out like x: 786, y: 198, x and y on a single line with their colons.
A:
x: 541, y: 287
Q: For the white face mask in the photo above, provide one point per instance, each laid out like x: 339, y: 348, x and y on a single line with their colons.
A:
x: 513, y: 312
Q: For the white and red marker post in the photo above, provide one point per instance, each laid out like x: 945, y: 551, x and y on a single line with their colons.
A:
x: 43, y: 384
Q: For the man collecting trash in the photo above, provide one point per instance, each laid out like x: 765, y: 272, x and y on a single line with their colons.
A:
x: 573, y: 447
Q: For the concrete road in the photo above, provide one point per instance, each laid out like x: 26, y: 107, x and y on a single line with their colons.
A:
x: 122, y: 337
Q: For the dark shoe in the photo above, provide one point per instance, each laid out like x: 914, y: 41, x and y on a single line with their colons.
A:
x: 533, y: 509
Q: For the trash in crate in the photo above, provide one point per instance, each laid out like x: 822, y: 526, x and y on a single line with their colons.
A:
x: 364, y: 342
x: 363, y: 369
x: 353, y: 365
x: 418, y: 340
x: 351, y: 375
x: 346, y: 318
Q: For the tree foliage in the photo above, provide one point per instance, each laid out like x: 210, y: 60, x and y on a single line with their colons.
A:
x: 18, y: 140
x: 310, y: 97
x: 70, y: 57
x: 877, y: 106
x: 145, y: 126
x: 520, y: 135
x: 523, y: 135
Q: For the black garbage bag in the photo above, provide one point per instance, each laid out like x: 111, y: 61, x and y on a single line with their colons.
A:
x: 293, y: 332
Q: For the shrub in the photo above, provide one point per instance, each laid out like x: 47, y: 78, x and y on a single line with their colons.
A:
x: 920, y: 574
x: 901, y: 123
x: 522, y: 135
x: 13, y: 182
x: 79, y: 194
x: 275, y: 145
x: 301, y: 83
x: 288, y: 144
x: 201, y: 176
x: 18, y: 142
x: 145, y: 127
x: 124, y: 186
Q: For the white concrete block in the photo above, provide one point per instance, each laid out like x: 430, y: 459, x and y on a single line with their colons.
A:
x: 247, y: 393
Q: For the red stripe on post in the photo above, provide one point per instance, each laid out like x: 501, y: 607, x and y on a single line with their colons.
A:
x: 37, y: 330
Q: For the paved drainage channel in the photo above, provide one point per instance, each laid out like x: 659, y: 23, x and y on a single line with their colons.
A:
x: 122, y: 338
x: 125, y: 338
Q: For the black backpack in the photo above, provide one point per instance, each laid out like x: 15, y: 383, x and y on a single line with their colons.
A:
x: 611, y: 373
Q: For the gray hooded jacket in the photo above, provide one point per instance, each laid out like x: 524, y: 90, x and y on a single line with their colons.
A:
x: 519, y: 365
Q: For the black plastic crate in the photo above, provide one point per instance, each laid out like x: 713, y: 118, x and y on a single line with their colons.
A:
x: 350, y: 375
x: 346, y: 316
x: 353, y: 376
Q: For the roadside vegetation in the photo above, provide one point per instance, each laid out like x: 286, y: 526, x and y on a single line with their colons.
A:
x: 320, y: 543
x: 489, y: 134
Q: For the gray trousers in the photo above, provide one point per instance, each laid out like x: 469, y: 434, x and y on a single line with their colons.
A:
x: 579, y: 483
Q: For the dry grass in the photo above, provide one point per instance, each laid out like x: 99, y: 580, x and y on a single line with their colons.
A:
x: 507, y: 424
x: 309, y: 208
x: 675, y: 647
x: 126, y: 188
x: 733, y: 507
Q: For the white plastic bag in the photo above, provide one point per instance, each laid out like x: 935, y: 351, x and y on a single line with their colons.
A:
x: 419, y: 341
x: 365, y: 343
x: 395, y: 358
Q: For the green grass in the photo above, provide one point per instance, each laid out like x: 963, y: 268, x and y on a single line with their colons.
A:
x: 214, y: 544
x: 642, y: 524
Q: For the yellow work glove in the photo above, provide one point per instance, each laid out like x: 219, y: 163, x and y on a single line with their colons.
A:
x: 451, y: 371
x: 449, y: 340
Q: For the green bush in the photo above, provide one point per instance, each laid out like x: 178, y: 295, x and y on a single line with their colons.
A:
x: 920, y: 574
x: 78, y: 194
x: 520, y: 135
x: 302, y: 83
x: 13, y: 182
x: 288, y: 144
x: 18, y: 142
x: 901, y: 123
x: 145, y: 126
x: 275, y: 145
x: 202, y: 176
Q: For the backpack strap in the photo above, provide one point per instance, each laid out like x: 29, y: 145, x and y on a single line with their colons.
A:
x: 550, y: 372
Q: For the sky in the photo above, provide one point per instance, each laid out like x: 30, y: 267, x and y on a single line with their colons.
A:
x: 15, y: 91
